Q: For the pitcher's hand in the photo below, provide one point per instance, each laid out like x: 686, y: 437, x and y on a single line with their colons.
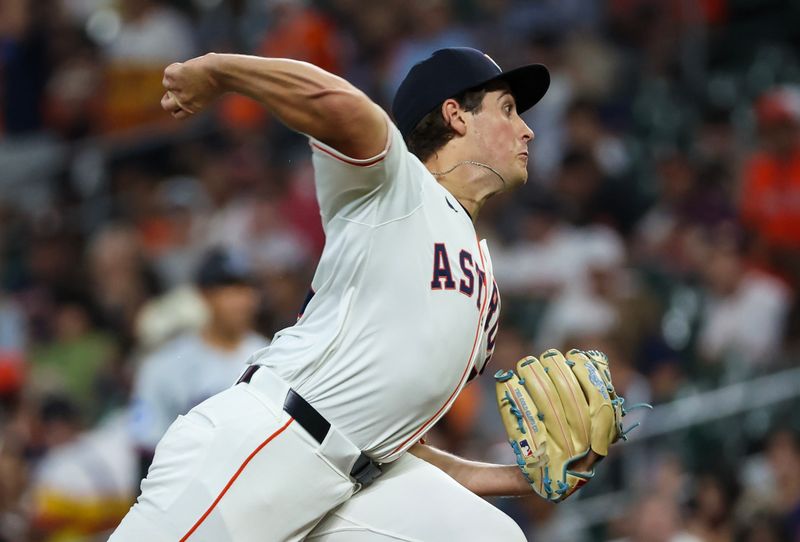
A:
x: 190, y: 86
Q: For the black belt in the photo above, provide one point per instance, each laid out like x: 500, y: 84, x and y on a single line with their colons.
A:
x: 364, y: 471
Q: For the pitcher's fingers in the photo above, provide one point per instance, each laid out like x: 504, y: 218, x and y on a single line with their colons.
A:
x: 177, y: 101
x: 167, y: 79
x: 171, y: 106
x: 180, y: 114
x: 168, y: 103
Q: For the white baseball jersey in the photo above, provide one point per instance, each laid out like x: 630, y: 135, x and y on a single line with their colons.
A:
x: 403, y: 307
x: 403, y: 311
x: 181, y: 374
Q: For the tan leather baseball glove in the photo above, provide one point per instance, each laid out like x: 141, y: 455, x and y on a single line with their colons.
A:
x: 558, y: 410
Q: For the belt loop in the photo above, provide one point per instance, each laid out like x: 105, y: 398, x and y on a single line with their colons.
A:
x: 247, y: 374
x: 365, y: 470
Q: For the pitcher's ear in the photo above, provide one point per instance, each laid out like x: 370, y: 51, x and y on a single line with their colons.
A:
x: 454, y: 116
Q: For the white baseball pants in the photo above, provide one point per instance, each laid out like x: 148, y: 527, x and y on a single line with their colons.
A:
x: 416, y: 502
x: 239, y: 468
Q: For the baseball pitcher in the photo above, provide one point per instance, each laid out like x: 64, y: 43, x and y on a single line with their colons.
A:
x: 314, y: 439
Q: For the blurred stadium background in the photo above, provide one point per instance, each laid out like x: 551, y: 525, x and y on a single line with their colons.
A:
x: 661, y: 223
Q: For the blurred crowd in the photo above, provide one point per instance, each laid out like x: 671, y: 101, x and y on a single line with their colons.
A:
x: 660, y: 223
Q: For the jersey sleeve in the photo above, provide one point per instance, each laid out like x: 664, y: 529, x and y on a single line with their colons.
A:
x: 371, y: 191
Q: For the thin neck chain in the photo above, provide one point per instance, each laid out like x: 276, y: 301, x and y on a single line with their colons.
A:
x: 474, y: 163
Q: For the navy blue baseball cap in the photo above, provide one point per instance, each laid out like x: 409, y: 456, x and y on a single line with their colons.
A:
x: 449, y: 72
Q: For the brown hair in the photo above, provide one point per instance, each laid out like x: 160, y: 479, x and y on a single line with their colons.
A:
x: 432, y: 132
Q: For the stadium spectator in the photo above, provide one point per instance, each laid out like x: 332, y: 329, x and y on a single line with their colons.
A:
x: 770, y: 198
x: 665, y: 369
x: 585, y: 130
x: 148, y: 35
x: 297, y: 30
x: 745, y: 310
x: 77, y: 358
x: 657, y: 519
x: 711, y: 516
x: 197, y: 364
x: 80, y: 486
x: 15, y: 467
x: 689, y: 200
x: 258, y: 226
x: 24, y: 65
x: 73, y: 98
x: 151, y: 32
x: 716, y: 138
x: 590, y: 308
x: 180, y: 229
x: 546, y: 47
x: 587, y: 196
x: 783, y: 457
x: 434, y: 25
x: 546, y: 258
x: 122, y: 281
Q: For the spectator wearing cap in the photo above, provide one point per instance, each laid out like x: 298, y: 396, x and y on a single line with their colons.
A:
x: 197, y: 364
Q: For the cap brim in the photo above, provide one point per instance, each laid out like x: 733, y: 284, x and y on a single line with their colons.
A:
x: 528, y: 84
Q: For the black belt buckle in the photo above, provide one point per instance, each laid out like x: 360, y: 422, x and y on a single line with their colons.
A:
x: 365, y: 470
